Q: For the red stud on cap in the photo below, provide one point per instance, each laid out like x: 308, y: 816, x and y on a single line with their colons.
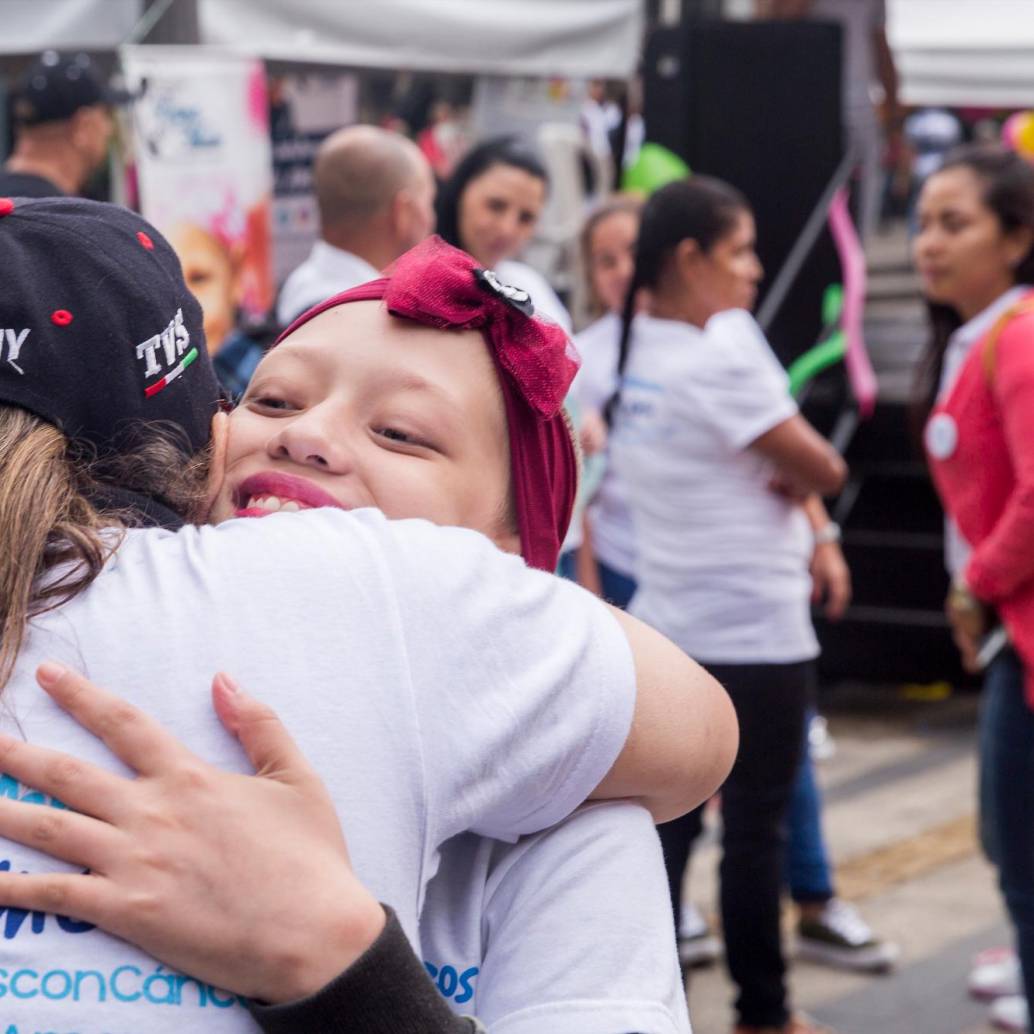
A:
x: 61, y: 317
x: 145, y: 240
x: 6, y: 206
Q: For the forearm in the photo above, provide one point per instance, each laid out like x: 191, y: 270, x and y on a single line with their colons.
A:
x: 586, y: 569
x: 817, y: 514
x: 386, y: 991
x: 888, y: 74
x: 1004, y: 561
x: 684, y: 734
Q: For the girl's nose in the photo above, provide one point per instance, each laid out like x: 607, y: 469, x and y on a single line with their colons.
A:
x: 313, y: 439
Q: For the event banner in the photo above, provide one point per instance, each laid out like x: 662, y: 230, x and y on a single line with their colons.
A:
x: 304, y: 108
x: 204, y: 172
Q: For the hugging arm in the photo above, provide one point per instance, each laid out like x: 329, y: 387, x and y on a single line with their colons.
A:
x: 321, y: 954
x: 684, y: 734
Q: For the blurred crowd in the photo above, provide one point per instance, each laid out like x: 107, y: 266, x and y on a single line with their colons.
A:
x: 700, y: 501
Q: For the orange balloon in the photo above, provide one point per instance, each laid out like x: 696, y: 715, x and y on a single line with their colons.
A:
x: 1025, y: 135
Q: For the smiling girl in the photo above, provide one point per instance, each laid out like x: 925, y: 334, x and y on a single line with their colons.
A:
x: 400, y: 634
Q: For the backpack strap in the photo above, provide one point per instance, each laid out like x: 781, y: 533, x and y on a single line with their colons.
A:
x: 989, y: 358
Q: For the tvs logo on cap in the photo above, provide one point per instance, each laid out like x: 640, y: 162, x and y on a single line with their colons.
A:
x: 13, y: 340
x: 164, y: 354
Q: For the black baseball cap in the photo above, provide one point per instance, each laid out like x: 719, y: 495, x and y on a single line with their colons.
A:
x: 99, y: 334
x: 56, y: 86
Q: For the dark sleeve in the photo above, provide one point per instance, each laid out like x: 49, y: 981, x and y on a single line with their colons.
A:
x: 386, y: 991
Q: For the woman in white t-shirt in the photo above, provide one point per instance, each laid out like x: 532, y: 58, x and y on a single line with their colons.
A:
x: 718, y: 462
x: 608, y: 249
x: 490, y: 207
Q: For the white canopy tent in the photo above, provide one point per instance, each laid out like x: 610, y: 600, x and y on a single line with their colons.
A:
x: 964, y: 53
x: 30, y: 26
x: 950, y: 52
x: 574, y: 38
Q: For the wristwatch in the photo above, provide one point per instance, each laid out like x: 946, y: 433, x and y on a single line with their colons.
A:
x: 829, y: 532
x: 971, y: 613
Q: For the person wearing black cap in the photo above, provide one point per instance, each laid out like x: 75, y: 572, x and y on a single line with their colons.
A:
x: 384, y: 625
x: 61, y: 111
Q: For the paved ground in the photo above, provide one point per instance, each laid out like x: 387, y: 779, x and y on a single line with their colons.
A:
x: 900, y: 800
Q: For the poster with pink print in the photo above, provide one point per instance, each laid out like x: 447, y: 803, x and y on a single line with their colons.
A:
x: 204, y: 174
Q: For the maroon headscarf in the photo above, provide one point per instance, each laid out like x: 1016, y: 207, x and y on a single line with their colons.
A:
x: 440, y: 286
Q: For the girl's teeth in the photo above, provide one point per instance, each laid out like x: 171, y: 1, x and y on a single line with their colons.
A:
x: 274, y: 503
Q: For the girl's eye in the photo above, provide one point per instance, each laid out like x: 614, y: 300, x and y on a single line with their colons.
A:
x: 394, y: 434
x: 270, y: 402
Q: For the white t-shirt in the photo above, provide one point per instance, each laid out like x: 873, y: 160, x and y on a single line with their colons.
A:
x: 613, y: 539
x: 722, y: 562
x: 435, y: 683
x: 568, y: 930
x: 327, y: 271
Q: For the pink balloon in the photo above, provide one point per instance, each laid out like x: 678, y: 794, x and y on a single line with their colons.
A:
x: 1011, y: 128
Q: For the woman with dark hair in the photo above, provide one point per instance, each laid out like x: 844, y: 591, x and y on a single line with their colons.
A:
x: 975, y: 255
x: 490, y: 207
x: 722, y: 474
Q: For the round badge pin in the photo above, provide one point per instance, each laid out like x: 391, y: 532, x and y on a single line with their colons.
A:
x: 942, y: 436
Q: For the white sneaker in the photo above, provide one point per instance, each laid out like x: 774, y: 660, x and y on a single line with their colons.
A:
x: 821, y: 745
x: 841, y: 937
x: 697, y: 945
x: 995, y: 973
x: 1010, y: 1013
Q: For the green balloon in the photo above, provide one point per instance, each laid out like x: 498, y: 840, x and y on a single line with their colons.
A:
x: 654, y: 167
x: 830, y: 350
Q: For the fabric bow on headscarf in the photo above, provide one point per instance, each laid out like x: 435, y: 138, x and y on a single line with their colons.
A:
x: 440, y: 286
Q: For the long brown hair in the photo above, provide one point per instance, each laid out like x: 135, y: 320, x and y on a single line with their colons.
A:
x: 1008, y: 183
x: 54, y: 540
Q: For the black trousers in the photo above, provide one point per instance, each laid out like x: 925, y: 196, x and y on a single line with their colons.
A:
x: 770, y: 702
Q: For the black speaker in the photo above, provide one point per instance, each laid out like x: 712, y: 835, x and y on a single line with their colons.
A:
x: 758, y: 105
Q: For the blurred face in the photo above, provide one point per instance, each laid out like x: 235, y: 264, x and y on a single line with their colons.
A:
x: 358, y: 408
x: 92, y: 128
x: 964, y: 257
x: 612, y: 258
x: 727, y: 276
x: 209, y: 272
x: 498, y: 211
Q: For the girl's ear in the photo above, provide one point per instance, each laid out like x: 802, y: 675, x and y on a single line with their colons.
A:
x: 686, y: 257
x: 1020, y: 241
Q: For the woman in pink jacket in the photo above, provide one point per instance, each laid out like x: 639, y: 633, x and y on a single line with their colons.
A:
x: 975, y: 254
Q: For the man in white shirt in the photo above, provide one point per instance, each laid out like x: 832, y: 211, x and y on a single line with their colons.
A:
x: 375, y: 193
